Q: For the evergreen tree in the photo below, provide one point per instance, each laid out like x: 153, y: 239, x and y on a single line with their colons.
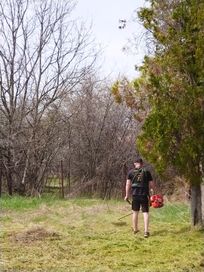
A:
x: 171, y: 92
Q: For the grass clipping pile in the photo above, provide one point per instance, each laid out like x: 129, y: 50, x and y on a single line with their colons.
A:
x: 35, y: 234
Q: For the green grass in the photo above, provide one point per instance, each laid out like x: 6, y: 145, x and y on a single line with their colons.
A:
x: 20, y: 203
x: 85, y: 235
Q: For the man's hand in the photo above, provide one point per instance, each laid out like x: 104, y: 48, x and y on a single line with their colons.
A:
x: 152, y: 187
x: 151, y: 192
x: 127, y: 199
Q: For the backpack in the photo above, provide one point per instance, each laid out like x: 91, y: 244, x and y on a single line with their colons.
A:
x: 139, y: 176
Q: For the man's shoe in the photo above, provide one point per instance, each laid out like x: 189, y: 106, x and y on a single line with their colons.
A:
x: 135, y: 231
x: 146, y: 234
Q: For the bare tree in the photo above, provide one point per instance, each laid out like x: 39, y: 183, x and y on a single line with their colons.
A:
x: 44, y: 54
x: 100, y: 143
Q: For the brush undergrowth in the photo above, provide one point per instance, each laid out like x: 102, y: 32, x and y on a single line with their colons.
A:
x: 85, y: 235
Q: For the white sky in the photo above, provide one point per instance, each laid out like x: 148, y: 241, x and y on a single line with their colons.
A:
x: 104, y: 16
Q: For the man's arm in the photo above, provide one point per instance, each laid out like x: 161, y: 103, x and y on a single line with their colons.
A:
x: 152, y: 187
x: 127, y: 189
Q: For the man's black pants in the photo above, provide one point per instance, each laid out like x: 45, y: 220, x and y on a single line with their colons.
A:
x: 140, y: 202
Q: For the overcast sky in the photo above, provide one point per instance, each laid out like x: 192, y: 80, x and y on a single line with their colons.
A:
x: 104, y: 16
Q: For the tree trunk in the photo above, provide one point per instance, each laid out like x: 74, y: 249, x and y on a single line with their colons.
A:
x: 8, y: 172
x: 196, y: 211
x: 202, y: 197
x: 10, y: 184
x: 62, y: 178
x: 9, y: 175
x: 0, y: 178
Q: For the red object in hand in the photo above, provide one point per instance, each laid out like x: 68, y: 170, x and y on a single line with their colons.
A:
x: 156, y: 201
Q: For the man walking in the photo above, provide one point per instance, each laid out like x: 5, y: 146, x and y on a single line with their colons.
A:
x: 139, y: 183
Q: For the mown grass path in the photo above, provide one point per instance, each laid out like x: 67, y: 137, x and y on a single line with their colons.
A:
x: 84, y: 235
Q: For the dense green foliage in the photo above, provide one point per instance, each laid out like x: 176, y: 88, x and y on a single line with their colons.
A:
x: 174, y: 129
x: 86, y: 235
x: 169, y: 95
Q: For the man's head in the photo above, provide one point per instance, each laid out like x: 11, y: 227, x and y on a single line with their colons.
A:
x: 138, y: 163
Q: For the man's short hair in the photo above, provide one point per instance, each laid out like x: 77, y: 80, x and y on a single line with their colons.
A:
x: 139, y: 160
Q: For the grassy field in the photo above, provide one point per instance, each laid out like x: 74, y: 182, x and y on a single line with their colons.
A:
x: 52, y: 235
